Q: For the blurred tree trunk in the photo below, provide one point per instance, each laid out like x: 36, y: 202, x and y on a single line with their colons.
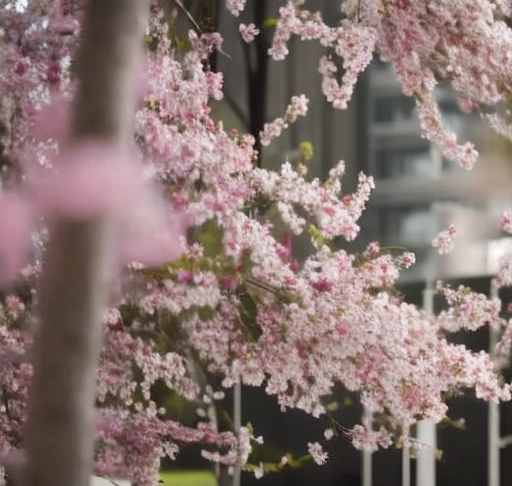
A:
x: 74, y: 284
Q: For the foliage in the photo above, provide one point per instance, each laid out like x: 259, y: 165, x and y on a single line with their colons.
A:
x: 236, y: 307
x: 187, y: 478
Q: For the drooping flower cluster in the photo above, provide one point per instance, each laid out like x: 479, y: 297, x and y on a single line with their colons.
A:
x: 36, y: 45
x: 297, y: 107
x: 467, y: 309
x: 444, y: 242
x: 424, y: 41
x: 16, y: 373
x: 236, y: 305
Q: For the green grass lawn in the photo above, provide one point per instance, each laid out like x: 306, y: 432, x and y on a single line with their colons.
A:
x: 188, y: 478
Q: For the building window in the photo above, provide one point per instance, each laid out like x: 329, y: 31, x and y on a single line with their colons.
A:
x: 392, y: 109
x: 408, y: 226
x: 403, y: 163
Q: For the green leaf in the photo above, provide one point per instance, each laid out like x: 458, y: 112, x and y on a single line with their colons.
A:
x: 271, y: 456
x: 316, y: 235
x: 306, y: 151
x: 181, y: 43
x: 270, y: 23
x: 210, y: 236
x: 205, y: 313
x: 332, y: 407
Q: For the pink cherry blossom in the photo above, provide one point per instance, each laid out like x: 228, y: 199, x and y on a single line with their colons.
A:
x: 236, y: 7
x: 317, y: 453
x: 444, y: 242
x: 297, y: 107
x: 248, y: 32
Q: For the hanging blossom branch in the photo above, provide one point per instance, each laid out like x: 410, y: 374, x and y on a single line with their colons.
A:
x: 424, y: 41
x: 297, y: 107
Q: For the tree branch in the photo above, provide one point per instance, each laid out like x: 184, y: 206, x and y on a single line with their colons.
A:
x: 60, y: 429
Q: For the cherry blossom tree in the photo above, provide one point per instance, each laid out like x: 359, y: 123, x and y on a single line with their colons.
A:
x: 128, y: 210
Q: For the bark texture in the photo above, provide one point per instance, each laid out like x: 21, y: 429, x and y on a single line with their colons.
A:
x: 74, y: 284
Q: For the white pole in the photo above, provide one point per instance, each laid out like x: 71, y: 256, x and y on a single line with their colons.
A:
x: 367, y: 468
x: 493, y: 416
x: 426, y: 430
x: 494, y: 448
x: 367, y: 457
x: 237, y: 424
x: 406, y: 466
x: 425, y: 459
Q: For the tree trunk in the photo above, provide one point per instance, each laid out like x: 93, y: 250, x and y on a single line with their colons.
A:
x: 74, y: 284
